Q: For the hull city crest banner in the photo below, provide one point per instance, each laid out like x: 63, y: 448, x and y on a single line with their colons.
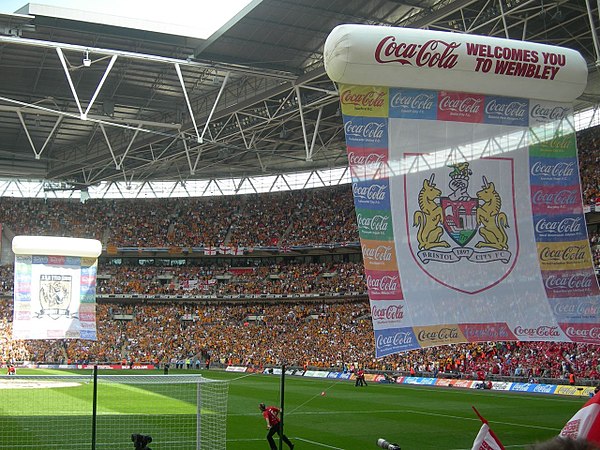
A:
x: 55, y: 287
x: 466, y: 190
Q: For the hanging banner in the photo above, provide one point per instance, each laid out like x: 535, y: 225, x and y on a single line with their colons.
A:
x: 466, y: 187
x: 55, y: 287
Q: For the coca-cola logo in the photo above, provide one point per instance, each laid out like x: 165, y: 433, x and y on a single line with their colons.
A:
x: 400, y: 339
x: 567, y: 225
x: 371, y: 159
x: 576, y: 309
x: 392, y: 312
x: 381, y: 253
x: 52, y: 260
x: 372, y: 99
x: 541, y: 331
x: 370, y: 130
x: 568, y: 282
x: 378, y: 223
x: 443, y: 334
x: 433, y: 53
x: 485, y: 334
x: 372, y: 192
x: 559, y: 143
x: 387, y: 283
x: 415, y: 102
x: 560, y: 198
x: 559, y: 170
x: 572, y: 253
x: 515, y: 110
x: 549, y: 113
x: 592, y: 333
x: 470, y: 105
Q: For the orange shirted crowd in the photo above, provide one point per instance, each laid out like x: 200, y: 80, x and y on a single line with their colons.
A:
x: 316, y: 335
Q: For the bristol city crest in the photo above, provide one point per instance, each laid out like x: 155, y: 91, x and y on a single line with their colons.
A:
x: 459, y: 209
x: 462, y: 236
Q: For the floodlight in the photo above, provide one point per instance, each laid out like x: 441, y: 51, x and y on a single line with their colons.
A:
x: 87, y: 62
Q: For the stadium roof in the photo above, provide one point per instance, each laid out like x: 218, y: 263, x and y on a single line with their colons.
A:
x: 252, y: 99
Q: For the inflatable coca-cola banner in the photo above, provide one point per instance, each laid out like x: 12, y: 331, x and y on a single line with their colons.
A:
x: 463, y: 157
x: 422, y: 59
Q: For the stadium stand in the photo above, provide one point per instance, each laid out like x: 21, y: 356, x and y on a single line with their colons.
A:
x: 588, y: 142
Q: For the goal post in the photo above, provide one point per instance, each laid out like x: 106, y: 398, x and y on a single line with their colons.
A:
x: 179, y: 412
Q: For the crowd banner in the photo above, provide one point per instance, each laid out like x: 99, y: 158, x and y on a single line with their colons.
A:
x: 55, y: 287
x: 463, y: 159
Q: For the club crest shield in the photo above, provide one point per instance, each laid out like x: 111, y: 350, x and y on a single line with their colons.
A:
x: 55, y: 296
x: 461, y: 223
x: 459, y: 209
x: 460, y: 218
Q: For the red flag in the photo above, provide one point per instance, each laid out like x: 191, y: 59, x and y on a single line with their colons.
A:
x: 585, y: 424
x: 486, y: 439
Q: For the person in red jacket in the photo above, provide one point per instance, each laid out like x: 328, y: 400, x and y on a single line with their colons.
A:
x: 572, y: 379
x: 271, y: 415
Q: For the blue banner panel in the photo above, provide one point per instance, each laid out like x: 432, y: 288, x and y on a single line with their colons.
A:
x: 394, y: 340
x: 366, y: 131
x: 555, y: 171
x: 413, y: 104
x: 506, y: 111
x: 373, y: 194
x: 559, y: 227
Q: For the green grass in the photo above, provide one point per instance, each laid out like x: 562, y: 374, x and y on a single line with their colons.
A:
x: 346, y: 417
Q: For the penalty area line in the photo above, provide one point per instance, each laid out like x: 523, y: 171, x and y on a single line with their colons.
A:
x: 242, y: 377
x: 294, y: 438
x: 426, y: 413
x: 320, y: 444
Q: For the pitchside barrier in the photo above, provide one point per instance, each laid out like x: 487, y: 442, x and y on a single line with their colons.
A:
x: 63, y: 412
x: 512, y: 386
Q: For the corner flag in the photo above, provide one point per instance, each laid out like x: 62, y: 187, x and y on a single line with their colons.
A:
x: 486, y: 439
x: 585, y: 424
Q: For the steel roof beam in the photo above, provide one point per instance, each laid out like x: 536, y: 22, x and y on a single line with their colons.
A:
x: 238, y: 69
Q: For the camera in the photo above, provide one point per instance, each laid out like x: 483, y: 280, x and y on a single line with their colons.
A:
x: 382, y: 443
x: 141, y: 441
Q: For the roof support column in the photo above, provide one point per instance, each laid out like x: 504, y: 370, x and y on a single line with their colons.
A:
x: 212, y: 111
x: 35, y: 152
x: 63, y: 61
x: 593, y: 29
x: 309, y: 154
x: 506, y: 35
x: 306, y: 148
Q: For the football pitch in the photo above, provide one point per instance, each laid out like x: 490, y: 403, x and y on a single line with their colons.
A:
x: 319, y: 414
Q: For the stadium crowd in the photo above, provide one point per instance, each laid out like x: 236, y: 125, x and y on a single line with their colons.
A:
x: 219, y: 279
x: 310, y: 217
x: 588, y: 143
x: 317, y: 335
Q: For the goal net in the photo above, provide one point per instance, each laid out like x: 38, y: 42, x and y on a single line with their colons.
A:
x: 57, y: 412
